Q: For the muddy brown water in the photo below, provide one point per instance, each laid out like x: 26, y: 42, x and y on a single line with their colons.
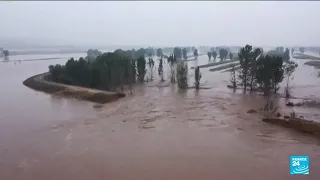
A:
x: 158, y: 133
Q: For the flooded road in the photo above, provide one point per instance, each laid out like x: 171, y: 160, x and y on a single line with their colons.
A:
x: 158, y: 133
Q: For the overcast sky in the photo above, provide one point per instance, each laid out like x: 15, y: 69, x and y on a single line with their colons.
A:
x: 162, y: 23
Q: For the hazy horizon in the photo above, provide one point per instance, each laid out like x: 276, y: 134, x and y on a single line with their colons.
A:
x: 211, y: 23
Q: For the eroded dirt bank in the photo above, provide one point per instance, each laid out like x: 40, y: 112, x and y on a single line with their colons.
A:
x: 39, y: 82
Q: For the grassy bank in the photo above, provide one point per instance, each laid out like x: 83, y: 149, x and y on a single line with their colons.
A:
x: 215, y: 64
x: 235, y: 68
x: 224, y: 67
x: 316, y: 64
x: 40, y: 83
x: 298, y: 124
x: 305, y: 56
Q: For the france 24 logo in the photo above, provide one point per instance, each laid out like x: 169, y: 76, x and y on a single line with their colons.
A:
x: 299, y: 164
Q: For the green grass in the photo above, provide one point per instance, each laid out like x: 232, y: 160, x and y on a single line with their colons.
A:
x: 224, y: 67
x: 215, y: 64
x: 305, y: 56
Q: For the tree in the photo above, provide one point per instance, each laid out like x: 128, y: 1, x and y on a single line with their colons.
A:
x: 150, y: 51
x: 140, y: 53
x: 301, y: 49
x: 185, y: 52
x: 253, y: 67
x: 269, y: 73
x: 160, y: 69
x: 245, y: 56
x: 93, y: 53
x: 209, y: 55
x: 5, y: 53
x: 280, y: 49
x: 151, y: 67
x: 197, y: 77
x: 286, y: 55
x: 159, y: 52
x: 223, y: 53
x: 292, y: 51
x: 182, y: 75
x: 289, y: 68
x: 230, y: 55
x: 172, y: 60
x: 141, y: 66
x: 214, y: 54
x: 277, y: 72
x: 193, y: 48
x: 233, y: 79
x: 195, y: 53
x: 177, y: 52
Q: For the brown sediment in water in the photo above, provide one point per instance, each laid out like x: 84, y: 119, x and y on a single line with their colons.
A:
x: 39, y: 83
x: 298, y: 124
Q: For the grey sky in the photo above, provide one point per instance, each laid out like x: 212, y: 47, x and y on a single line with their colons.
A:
x: 162, y: 23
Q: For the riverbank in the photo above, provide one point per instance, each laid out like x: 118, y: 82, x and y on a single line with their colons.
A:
x: 315, y: 64
x: 305, y: 56
x: 40, y: 83
x: 297, y: 124
x: 215, y: 63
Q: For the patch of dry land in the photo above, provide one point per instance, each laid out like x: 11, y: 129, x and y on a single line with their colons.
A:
x: 39, y: 83
x: 305, y: 56
x: 316, y: 64
x: 298, y: 124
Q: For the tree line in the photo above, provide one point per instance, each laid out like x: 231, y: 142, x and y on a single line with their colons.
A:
x: 108, y: 71
x: 263, y: 72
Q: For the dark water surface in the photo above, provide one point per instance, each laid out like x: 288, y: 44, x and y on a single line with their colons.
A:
x: 158, y: 133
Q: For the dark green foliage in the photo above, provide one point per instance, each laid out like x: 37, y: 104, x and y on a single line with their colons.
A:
x: 159, y: 52
x: 160, y: 69
x: 286, y: 56
x: 195, y: 53
x: 150, y: 51
x: 140, y: 53
x: 269, y: 73
x: 289, y: 68
x: 151, y: 67
x: 172, y: 60
x: 108, y: 72
x: 253, y: 67
x: 182, y: 75
x: 141, y: 67
x: 301, y: 49
x: 177, y: 52
x: 233, y: 79
x: 5, y: 53
x: 280, y: 49
x: 197, y: 77
x: 230, y: 55
x: 245, y: 57
x: 214, y: 54
x: 209, y: 55
x: 93, y: 53
x: 185, y: 53
x: 223, y: 53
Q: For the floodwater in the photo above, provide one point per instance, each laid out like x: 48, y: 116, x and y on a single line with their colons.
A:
x: 157, y: 133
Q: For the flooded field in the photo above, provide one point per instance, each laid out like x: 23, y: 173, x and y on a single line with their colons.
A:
x: 157, y: 133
